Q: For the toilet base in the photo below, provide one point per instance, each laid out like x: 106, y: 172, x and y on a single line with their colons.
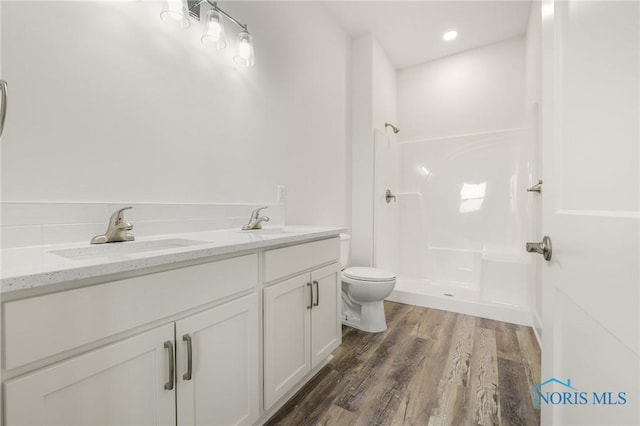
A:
x: 367, y: 317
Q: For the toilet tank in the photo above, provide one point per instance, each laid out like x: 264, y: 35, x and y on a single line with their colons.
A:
x: 344, y: 249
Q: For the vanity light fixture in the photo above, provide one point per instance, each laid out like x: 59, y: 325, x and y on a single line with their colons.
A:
x: 450, y: 35
x: 176, y: 13
x: 179, y: 11
x: 213, y: 35
x: 245, y: 50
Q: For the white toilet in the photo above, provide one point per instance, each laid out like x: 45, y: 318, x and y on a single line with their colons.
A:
x: 363, y: 290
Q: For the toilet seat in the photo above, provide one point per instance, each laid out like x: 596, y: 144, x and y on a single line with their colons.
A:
x: 369, y: 274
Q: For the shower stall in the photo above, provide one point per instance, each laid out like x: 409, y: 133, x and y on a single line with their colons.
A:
x: 451, y: 216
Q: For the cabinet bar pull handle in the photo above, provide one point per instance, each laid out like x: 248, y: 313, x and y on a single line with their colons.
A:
x: 3, y: 111
x: 187, y: 375
x: 310, y: 305
x: 317, y: 293
x: 169, y: 346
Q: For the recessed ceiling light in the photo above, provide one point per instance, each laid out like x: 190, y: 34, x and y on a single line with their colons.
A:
x: 450, y: 35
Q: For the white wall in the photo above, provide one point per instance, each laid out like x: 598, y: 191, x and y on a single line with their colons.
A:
x: 533, y: 58
x: 373, y: 102
x: 384, y: 90
x: 361, y: 151
x: 387, y: 157
x: 109, y: 104
x: 475, y: 91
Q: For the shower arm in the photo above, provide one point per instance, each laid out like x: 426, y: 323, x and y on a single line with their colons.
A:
x: 394, y: 128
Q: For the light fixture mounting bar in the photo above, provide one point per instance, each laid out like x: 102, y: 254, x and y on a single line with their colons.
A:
x: 229, y: 17
x: 195, y: 6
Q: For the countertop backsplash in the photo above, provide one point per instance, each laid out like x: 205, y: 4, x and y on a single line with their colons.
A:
x: 25, y: 224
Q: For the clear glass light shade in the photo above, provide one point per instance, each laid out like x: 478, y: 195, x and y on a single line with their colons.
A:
x: 245, y: 50
x: 213, y: 35
x: 176, y: 13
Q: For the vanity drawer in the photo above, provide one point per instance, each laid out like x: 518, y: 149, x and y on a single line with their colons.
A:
x: 44, y: 326
x: 282, y: 262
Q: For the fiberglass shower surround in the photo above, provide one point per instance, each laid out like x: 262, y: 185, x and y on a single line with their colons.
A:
x: 455, y: 235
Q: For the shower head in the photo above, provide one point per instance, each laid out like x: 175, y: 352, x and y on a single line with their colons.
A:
x: 394, y: 128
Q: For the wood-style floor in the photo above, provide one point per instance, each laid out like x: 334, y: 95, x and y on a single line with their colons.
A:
x: 429, y: 367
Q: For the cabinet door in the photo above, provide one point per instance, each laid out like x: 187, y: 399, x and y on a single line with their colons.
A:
x: 224, y: 385
x: 119, y: 384
x: 326, y: 324
x: 287, y: 345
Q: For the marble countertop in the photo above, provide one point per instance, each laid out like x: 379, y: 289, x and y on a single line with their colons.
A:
x: 42, y: 267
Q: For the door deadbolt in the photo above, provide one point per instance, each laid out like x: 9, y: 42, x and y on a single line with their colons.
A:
x: 543, y: 248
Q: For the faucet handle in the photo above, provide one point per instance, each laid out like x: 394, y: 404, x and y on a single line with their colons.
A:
x: 128, y: 234
x: 118, y: 216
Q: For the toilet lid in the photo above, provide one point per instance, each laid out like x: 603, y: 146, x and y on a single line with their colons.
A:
x: 369, y: 274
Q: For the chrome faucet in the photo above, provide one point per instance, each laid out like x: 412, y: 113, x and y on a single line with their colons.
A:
x: 117, y: 231
x: 255, y: 221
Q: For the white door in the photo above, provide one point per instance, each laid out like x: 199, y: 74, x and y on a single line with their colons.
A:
x: 287, y: 330
x: 3, y: 93
x: 326, y: 318
x: 119, y: 384
x: 223, y: 387
x: 590, y: 119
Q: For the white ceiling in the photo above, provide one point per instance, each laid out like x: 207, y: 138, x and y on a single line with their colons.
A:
x: 411, y: 31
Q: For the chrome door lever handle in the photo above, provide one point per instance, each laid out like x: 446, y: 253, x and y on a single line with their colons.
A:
x: 543, y: 248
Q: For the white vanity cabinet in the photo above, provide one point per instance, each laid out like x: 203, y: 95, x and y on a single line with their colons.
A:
x: 119, y: 384
x: 131, y: 383
x: 218, y: 341
x: 141, y: 379
x: 326, y: 313
x: 223, y: 387
x: 301, y: 315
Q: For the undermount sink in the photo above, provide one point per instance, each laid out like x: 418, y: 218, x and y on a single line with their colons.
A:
x: 116, y: 249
